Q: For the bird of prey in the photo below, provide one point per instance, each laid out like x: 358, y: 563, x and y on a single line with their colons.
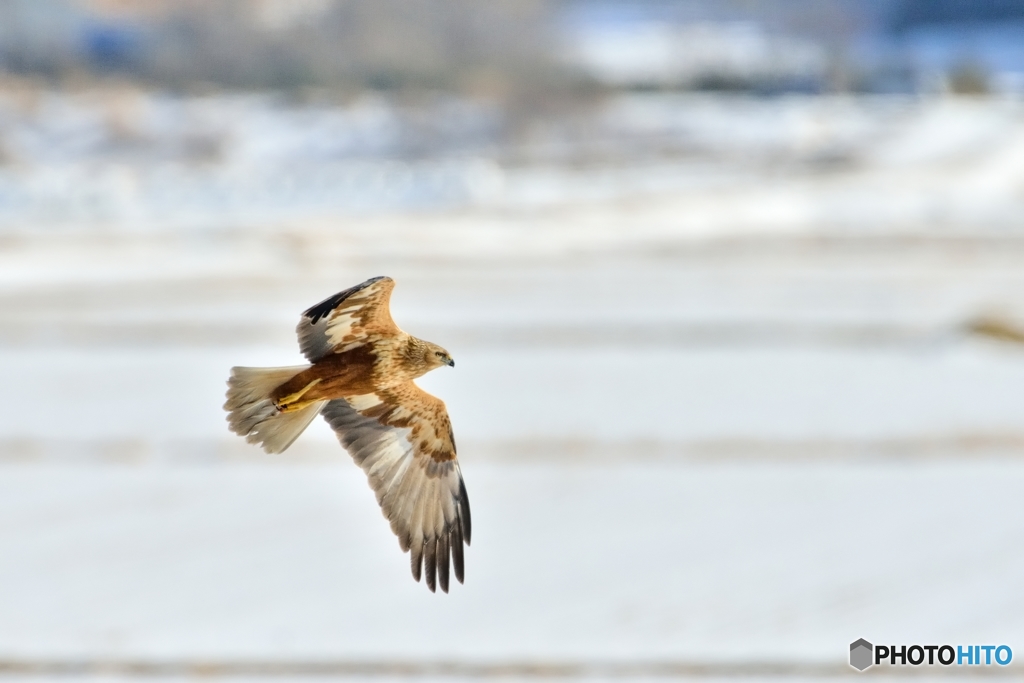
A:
x: 361, y: 380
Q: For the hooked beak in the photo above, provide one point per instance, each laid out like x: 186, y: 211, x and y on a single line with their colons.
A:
x: 450, y: 363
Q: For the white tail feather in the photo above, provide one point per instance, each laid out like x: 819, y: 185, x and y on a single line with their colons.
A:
x: 252, y: 413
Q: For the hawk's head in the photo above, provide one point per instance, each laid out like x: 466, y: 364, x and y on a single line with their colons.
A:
x: 425, y: 356
x: 439, y: 357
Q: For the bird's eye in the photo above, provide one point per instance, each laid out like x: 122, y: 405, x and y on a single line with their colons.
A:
x: 438, y: 354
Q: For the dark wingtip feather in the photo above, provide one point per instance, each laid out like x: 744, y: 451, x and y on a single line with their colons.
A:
x: 416, y: 559
x: 464, y: 517
x: 458, y: 561
x: 442, y: 561
x: 430, y: 564
x: 324, y: 308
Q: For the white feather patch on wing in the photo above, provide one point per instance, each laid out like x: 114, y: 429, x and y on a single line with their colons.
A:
x: 364, y: 402
x: 343, y: 321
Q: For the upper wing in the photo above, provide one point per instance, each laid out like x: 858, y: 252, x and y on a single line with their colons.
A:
x: 402, y: 438
x: 343, y: 321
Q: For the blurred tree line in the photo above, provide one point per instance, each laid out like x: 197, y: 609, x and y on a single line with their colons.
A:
x: 514, y: 52
x: 494, y: 46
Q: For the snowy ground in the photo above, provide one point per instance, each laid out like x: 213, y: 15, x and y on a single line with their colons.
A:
x: 688, y: 563
x: 711, y: 425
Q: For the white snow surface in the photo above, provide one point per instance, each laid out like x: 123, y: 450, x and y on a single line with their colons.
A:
x: 691, y: 562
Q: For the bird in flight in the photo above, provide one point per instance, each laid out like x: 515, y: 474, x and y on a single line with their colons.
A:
x: 361, y: 380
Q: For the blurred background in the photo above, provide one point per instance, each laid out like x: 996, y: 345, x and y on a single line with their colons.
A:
x: 736, y: 290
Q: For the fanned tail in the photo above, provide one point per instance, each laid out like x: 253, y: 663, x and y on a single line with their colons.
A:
x: 252, y: 413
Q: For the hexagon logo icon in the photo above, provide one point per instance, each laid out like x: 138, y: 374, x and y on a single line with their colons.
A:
x: 861, y: 654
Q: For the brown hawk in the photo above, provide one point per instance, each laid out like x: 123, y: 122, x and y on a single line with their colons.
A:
x: 361, y: 380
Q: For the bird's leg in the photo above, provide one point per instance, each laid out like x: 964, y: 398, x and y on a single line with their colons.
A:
x: 291, y: 402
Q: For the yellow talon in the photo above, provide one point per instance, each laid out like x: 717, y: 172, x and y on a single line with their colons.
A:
x: 290, y: 403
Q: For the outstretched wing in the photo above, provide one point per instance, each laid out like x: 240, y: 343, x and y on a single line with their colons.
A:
x: 347, y: 319
x: 402, y: 438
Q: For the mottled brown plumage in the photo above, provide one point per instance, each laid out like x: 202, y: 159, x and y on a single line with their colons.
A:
x: 361, y: 380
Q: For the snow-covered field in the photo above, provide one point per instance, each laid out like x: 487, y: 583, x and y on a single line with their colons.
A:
x: 720, y: 412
